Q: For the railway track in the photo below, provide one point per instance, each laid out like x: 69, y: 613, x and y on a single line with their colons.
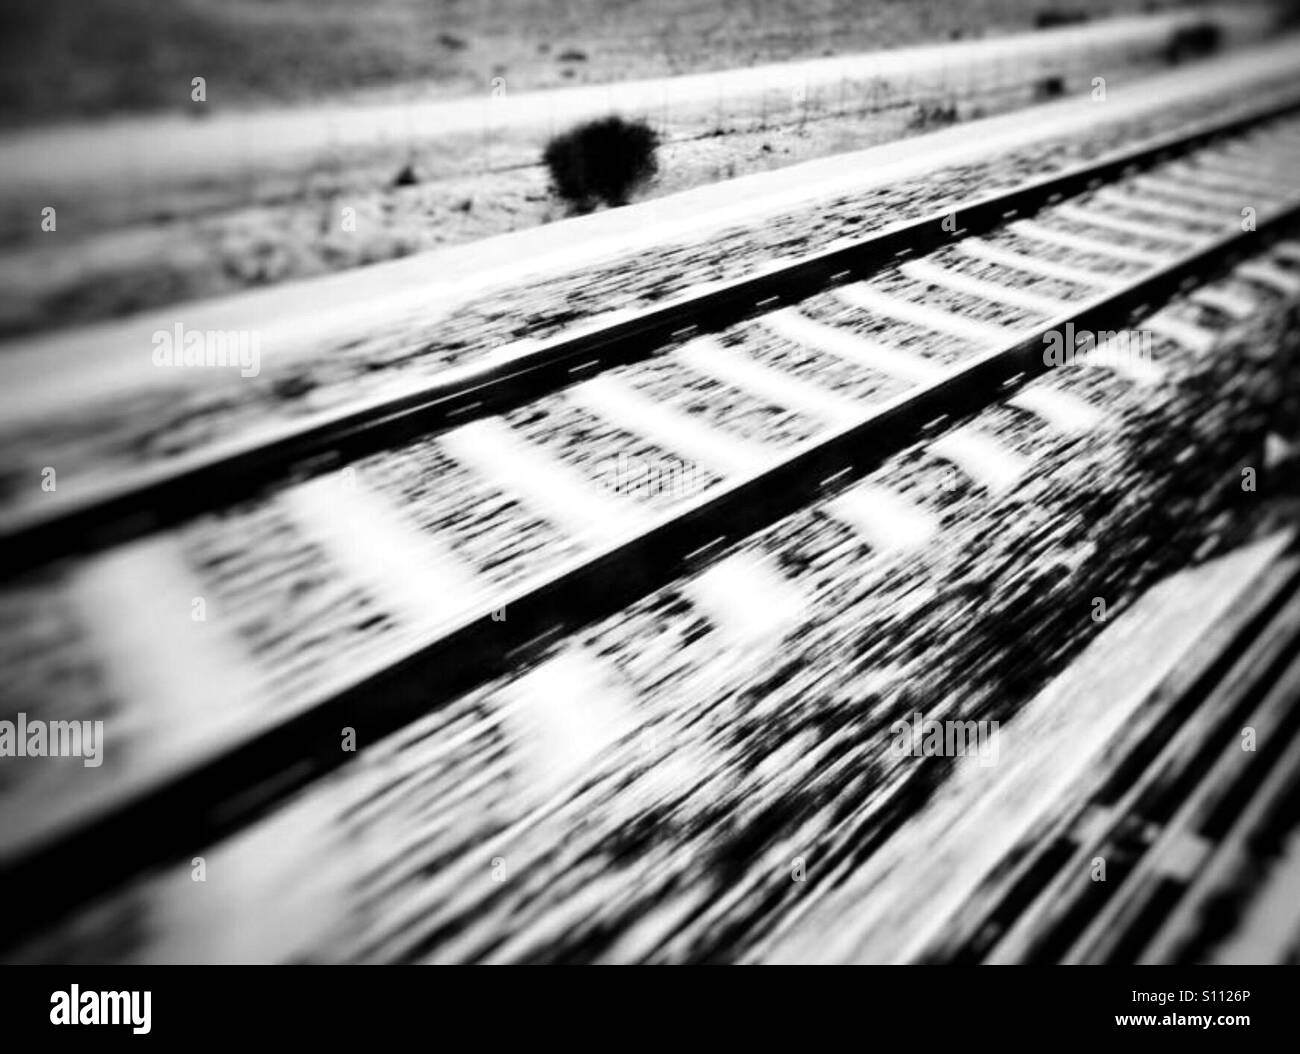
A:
x: 446, y: 532
x: 129, y: 503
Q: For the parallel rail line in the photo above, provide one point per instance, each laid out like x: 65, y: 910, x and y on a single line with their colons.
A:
x: 1180, y: 793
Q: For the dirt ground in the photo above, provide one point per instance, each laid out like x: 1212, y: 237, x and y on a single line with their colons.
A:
x: 119, y: 253
x: 63, y: 59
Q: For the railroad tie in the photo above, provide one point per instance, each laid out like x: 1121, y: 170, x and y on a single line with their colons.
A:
x: 847, y: 346
x: 984, y: 459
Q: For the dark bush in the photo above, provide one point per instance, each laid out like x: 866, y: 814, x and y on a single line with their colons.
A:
x: 602, y: 160
x: 1050, y: 19
x: 1193, y: 42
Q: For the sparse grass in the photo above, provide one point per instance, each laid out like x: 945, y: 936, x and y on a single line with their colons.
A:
x: 933, y: 115
x: 1049, y: 88
x: 1196, y: 41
